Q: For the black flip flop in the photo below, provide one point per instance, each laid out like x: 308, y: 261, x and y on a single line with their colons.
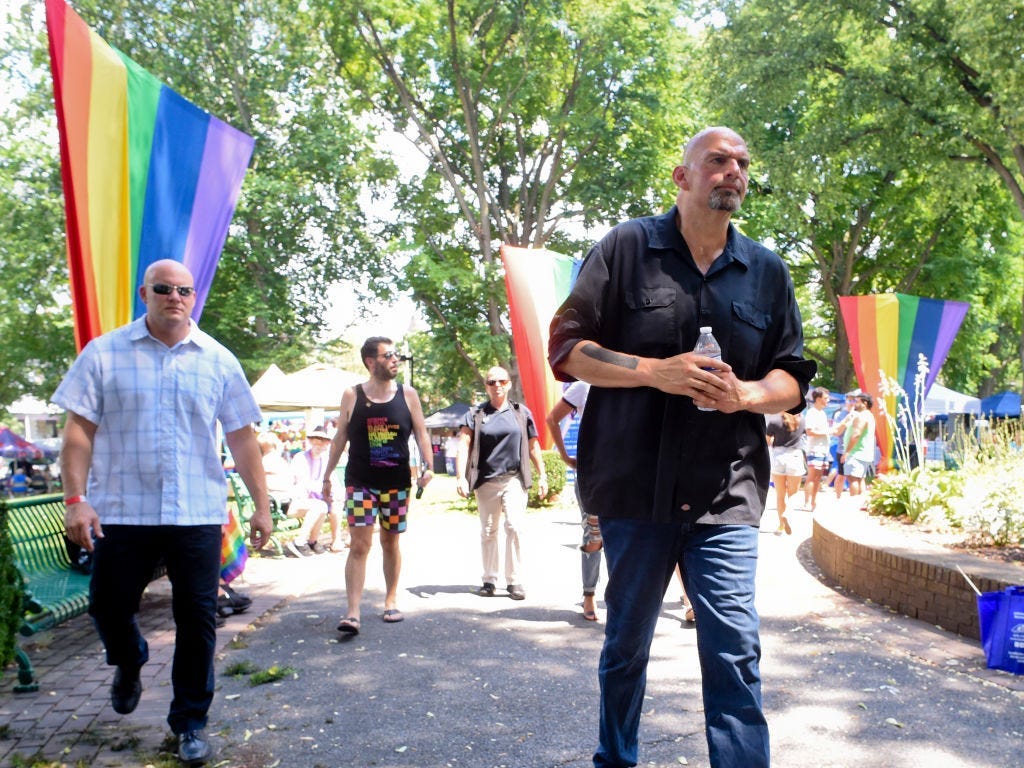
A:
x: 349, y: 626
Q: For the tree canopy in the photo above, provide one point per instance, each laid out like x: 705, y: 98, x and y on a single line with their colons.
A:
x: 533, y: 118
x: 890, y: 135
x: 885, y: 138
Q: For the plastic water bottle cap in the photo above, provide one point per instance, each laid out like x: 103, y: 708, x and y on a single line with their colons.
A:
x: 705, y: 329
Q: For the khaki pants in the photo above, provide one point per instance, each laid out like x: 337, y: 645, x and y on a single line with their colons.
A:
x: 501, y: 495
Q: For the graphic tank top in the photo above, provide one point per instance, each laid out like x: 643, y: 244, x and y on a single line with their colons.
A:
x: 378, y: 443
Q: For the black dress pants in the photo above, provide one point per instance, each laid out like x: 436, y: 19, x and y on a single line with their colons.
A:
x: 123, y: 565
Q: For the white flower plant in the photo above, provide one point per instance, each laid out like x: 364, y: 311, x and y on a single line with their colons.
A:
x: 982, y: 495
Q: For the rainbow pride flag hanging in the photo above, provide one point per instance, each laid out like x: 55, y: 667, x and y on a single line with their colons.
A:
x: 147, y: 175
x: 537, y: 282
x: 887, y: 333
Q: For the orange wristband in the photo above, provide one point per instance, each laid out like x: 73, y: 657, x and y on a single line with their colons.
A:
x: 74, y: 500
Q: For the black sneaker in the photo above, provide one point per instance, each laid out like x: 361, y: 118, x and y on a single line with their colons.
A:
x: 516, y: 592
x: 193, y: 748
x: 487, y: 590
x: 125, y: 691
x: 237, y: 601
x: 298, y: 550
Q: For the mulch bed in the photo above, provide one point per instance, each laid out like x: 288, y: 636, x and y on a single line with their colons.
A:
x: 952, y: 540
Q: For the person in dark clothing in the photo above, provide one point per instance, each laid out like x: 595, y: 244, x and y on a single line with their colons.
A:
x: 375, y: 421
x: 673, y: 485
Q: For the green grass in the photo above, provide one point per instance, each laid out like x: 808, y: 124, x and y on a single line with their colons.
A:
x: 271, y: 675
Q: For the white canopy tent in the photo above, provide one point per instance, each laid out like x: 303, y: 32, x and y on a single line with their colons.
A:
x: 942, y: 400
x: 317, y: 386
x: 39, y: 418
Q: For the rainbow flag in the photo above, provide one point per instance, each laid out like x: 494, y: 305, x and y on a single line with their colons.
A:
x: 147, y: 175
x: 537, y: 282
x: 233, y: 552
x: 887, y: 333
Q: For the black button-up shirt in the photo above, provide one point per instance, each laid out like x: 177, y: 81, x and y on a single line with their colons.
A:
x: 641, y: 452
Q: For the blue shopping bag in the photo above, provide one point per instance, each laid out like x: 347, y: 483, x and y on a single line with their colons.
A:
x: 1001, y: 618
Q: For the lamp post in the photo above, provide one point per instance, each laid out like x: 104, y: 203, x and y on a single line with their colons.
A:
x: 411, y: 361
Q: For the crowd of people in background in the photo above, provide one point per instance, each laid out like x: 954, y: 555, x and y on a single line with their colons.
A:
x: 25, y: 478
x: 816, y: 452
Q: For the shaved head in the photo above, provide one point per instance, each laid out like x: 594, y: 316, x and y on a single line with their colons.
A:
x: 699, y: 138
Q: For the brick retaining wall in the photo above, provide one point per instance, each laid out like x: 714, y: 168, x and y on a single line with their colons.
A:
x: 915, y: 579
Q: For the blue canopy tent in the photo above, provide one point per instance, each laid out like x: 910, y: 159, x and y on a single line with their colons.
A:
x: 1001, y: 405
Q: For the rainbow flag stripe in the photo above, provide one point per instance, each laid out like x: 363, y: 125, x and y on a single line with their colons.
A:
x: 537, y: 282
x: 233, y: 552
x: 887, y: 333
x: 147, y: 175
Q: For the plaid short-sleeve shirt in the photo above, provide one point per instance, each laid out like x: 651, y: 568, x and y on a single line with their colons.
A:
x: 156, y: 458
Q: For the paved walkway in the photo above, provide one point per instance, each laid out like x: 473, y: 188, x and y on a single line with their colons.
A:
x: 478, y: 682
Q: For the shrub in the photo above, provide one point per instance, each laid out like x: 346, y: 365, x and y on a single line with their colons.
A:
x: 555, y: 469
x: 990, y: 507
x: 983, y: 497
x: 922, y: 494
x: 10, y: 594
x: 982, y: 490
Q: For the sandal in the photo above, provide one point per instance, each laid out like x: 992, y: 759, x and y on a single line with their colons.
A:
x: 349, y: 625
x: 590, y: 615
x: 393, y: 616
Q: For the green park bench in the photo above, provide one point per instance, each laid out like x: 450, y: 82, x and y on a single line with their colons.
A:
x: 280, y: 522
x: 52, y: 590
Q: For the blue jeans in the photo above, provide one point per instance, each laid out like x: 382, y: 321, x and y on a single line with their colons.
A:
x: 590, y: 561
x: 718, y: 564
x: 122, y: 566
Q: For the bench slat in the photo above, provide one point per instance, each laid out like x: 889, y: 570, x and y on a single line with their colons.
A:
x: 53, y: 591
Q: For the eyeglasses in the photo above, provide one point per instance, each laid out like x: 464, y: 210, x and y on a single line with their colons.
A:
x: 163, y: 289
x: 497, y: 382
x: 390, y: 355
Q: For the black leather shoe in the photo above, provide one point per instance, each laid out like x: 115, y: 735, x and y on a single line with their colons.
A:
x: 487, y: 590
x: 193, y: 748
x: 126, y: 691
x: 516, y: 592
x: 238, y: 602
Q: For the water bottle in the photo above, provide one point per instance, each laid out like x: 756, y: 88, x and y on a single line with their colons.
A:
x: 708, y: 346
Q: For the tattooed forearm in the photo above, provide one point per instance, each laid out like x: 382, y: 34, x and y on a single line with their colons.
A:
x: 607, y: 356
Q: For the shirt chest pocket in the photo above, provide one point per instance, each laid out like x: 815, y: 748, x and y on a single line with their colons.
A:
x: 748, y: 331
x: 650, y: 323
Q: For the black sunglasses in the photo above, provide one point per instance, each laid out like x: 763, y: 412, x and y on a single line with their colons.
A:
x: 389, y: 355
x: 496, y: 382
x: 163, y: 289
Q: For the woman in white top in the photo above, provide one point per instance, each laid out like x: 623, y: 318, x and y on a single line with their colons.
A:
x: 818, y: 459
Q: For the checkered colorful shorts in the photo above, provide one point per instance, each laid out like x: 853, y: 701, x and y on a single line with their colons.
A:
x: 364, y: 505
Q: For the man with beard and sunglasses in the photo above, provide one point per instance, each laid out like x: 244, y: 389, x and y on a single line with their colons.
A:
x: 143, y: 483
x: 674, y: 485
x: 375, y: 421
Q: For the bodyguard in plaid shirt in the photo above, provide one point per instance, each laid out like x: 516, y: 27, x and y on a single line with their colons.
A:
x: 143, y: 403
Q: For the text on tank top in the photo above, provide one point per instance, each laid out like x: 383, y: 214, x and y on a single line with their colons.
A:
x: 379, y: 442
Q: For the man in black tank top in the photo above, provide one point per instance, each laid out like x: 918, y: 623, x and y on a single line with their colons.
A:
x: 376, y: 421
